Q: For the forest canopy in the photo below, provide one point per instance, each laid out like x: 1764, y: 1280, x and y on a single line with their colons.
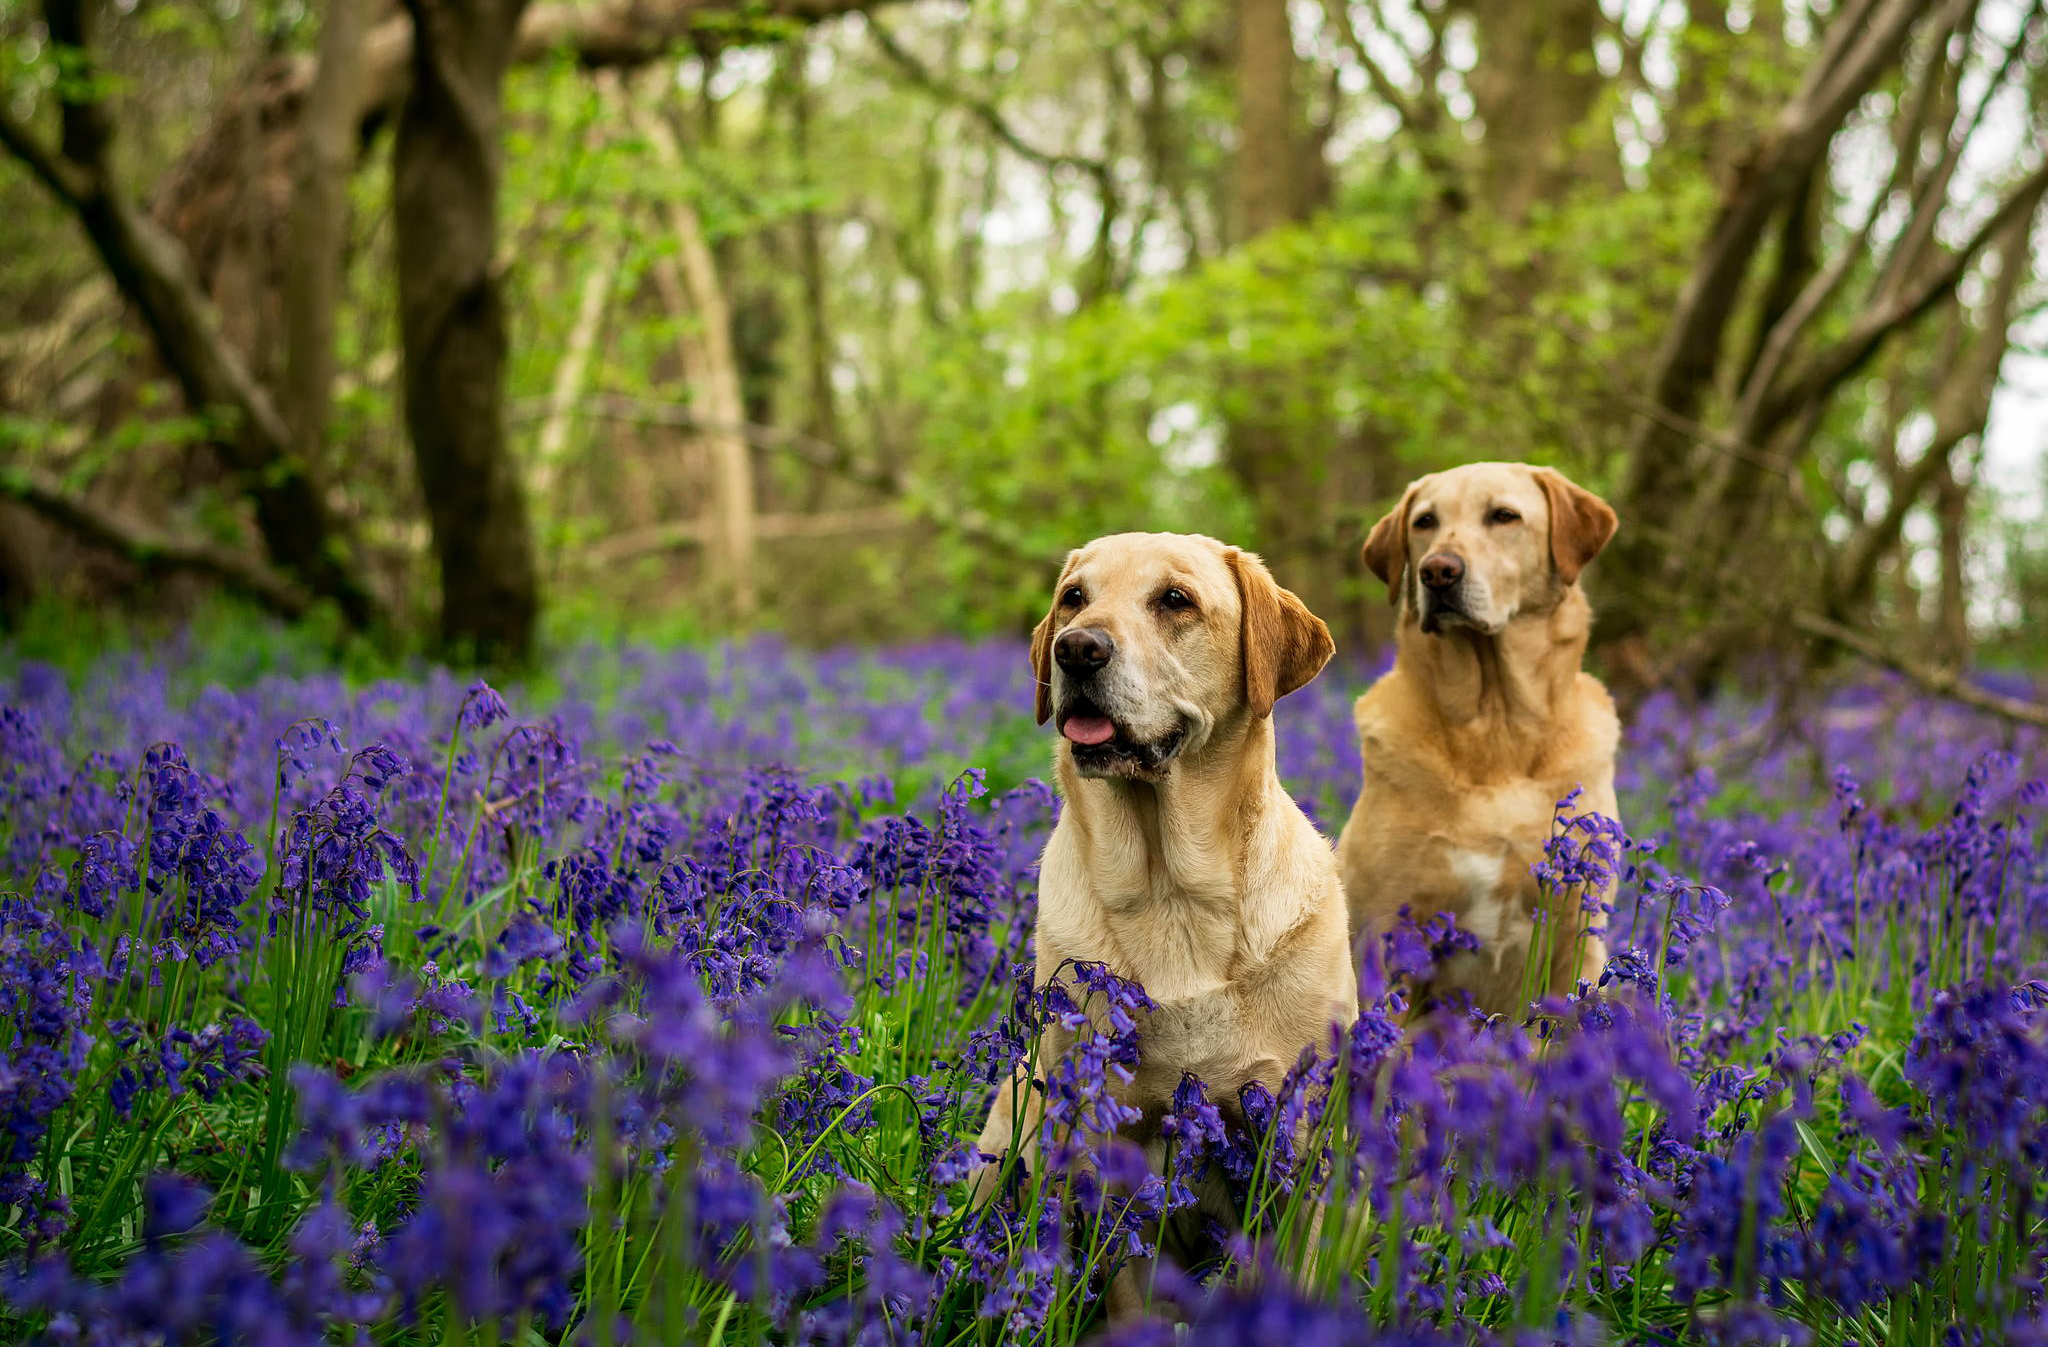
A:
x: 468, y: 321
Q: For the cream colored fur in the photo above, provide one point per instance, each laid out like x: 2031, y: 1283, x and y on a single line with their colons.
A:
x: 1479, y: 730
x: 1208, y: 886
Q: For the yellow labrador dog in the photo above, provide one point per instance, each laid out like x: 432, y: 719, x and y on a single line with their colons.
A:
x: 1179, y: 860
x: 1485, y: 722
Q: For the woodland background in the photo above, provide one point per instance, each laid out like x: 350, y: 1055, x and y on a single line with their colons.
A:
x: 478, y: 324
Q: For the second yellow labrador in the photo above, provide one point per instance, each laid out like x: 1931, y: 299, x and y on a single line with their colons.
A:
x: 1179, y: 859
x: 1484, y: 724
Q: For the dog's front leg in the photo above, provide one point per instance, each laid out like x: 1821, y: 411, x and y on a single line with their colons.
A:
x: 1014, y: 1117
x: 1130, y: 1290
x: 1272, y: 1075
x: 1012, y: 1121
x: 1128, y: 1294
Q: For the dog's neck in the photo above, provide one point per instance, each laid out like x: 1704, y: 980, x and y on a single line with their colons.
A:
x: 1174, y: 849
x: 1520, y: 677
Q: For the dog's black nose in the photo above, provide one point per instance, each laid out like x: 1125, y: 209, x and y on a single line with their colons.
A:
x: 1441, y: 570
x: 1083, y: 650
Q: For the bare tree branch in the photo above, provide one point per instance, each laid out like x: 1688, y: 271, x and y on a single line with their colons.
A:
x: 1929, y: 197
x: 819, y: 454
x: 1825, y: 371
x: 1796, y: 269
x: 1931, y: 192
x: 1962, y: 402
x: 152, y: 551
x: 153, y: 273
x: 638, y: 411
x: 1941, y: 682
x: 1100, y: 170
x: 634, y: 32
x: 612, y: 33
x: 1859, y: 48
x: 683, y: 534
x: 1413, y: 119
x: 1393, y: 95
x: 1620, y: 386
x: 981, y: 109
x: 66, y: 181
x: 1814, y: 296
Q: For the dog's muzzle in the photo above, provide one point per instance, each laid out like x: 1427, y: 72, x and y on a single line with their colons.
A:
x: 1102, y: 745
x: 1082, y: 651
x: 1443, y: 591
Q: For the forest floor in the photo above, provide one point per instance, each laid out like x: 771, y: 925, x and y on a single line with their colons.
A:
x: 661, y: 998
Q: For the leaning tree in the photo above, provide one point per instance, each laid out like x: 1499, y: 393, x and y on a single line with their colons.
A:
x: 435, y: 72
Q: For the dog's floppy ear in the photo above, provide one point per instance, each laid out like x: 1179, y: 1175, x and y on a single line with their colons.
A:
x: 1386, y: 547
x: 1041, y: 666
x: 1285, y: 645
x: 1041, y: 645
x: 1580, y: 523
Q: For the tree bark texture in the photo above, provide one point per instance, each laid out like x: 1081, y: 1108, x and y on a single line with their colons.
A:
x: 452, y: 323
x: 1533, y: 88
x: 154, y: 273
x: 1276, y: 458
x: 1664, y: 487
x: 695, y: 292
x: 316, y: 245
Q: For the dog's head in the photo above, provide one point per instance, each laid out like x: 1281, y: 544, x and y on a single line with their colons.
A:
x: 1473, y: 546
x: 1154, y: 639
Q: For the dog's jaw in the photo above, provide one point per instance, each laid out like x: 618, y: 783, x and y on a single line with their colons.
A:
x: 1121, y: 756
x: 1444, y: 622
x: 1437, y: 619
x: 1124, y: 759
x: 1458, y: 609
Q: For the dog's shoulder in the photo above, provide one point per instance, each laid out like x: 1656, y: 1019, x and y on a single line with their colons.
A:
x: 1290, y: 879
x: 1387, y: 706
x: 1598, y: 724
x: 1068, y: 915
x: 1392, y: 720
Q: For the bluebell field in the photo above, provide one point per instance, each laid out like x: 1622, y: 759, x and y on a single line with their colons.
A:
x: 663, y: 1003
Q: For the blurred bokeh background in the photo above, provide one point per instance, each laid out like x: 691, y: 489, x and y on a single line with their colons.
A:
x: 480, y: 327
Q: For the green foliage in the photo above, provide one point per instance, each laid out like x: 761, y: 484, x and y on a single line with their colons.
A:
x: 926, y: 314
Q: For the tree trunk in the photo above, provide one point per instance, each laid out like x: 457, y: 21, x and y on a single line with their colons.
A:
x: 452, y: 324
x: 17, y: 568
x: 1533, y: 87
x: 713, y: 371
x: 821, y: 415
x: 1962, y: 404
x: 1267, y: 184
x: 188, y: 274
x: 571, y: 374
x: 1952, y: 616
x: 1277, y: 459
x: 1662, y: 485
x: 316, y: 245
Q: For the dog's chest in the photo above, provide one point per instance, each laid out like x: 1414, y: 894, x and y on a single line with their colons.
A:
x: 1466, y: 849
x: 1172, y: 927
x: 1208, y: 1034
x: 1182, y: 951
x: 1180, y: 948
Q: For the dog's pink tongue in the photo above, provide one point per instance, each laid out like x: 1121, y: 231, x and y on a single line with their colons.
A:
x: 1089, y: 729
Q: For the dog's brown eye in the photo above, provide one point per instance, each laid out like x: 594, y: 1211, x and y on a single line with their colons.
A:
x: 1503, y: 516
x: 1176, y: 599
x: 1072, y: 597
x: 1424, y: 521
